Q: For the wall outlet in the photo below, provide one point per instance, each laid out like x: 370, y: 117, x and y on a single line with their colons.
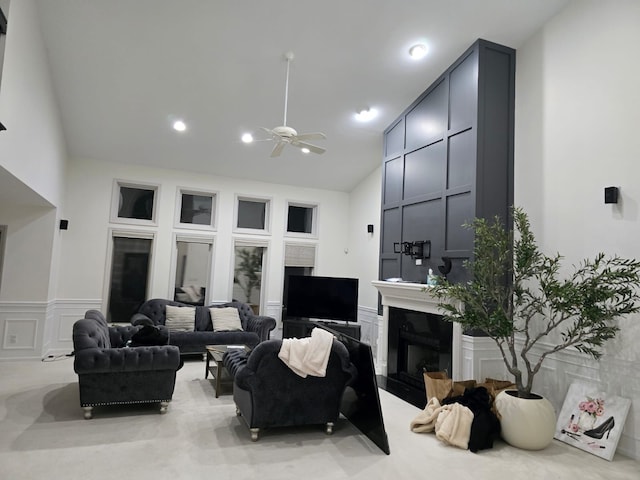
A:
x: 418, y: 261
x: 13, y: 339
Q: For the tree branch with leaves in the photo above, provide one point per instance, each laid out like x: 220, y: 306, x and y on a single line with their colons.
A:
x: 517, y: 297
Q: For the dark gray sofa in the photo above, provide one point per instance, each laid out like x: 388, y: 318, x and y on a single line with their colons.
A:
x: 256, y: 328
x: 111, y: 373
x: 268, y: 393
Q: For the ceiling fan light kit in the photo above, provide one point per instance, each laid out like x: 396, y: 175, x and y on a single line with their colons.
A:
x: 285, y: 135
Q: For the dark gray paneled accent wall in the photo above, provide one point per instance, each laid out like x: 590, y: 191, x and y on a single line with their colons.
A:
x: 447, y: 159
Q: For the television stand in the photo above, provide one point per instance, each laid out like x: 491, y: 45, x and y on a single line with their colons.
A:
x: 301, y: 327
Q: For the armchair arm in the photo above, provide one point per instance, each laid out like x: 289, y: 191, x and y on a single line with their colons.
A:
x: 261, y: 325
x: 109, y: 360
x: 141, y: 319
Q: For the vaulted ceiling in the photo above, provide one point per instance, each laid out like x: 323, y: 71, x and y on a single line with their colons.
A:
x: 123, y: 70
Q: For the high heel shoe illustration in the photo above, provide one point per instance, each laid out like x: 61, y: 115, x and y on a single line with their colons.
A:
x: 600, y: 430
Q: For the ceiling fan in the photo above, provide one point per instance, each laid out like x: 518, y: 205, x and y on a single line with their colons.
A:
x: 285, y: 135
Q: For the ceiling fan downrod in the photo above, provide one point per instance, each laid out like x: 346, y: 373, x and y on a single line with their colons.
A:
x: 288, y: 56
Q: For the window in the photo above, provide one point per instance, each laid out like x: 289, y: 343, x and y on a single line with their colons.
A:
x: 128, y: 276
x: 299, y: 259
x: 301, y: 219
x: 248, y: 274
x: 252, y: 214
x: 196, y: 209
x: 192, y: 269
x: 134, y: 204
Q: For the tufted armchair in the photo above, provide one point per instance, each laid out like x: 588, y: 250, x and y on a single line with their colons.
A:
x: 110, y: 373
x: 268, y: 393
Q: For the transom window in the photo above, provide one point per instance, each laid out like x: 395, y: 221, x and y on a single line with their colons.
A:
x: 301, y: 219
x: 134, y: 204
x: 196, y: 209
x: 252, y: 214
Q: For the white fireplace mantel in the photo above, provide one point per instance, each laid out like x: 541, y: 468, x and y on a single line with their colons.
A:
x: 415, y: 297
x: 471, y: 357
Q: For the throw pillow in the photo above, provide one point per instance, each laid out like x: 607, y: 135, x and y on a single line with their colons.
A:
x: 180, y: 319
x: 225, y: 318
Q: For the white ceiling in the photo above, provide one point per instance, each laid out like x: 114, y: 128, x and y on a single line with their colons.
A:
x: 122, y: 69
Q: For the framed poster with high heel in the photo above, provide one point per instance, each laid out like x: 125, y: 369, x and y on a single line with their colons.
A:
x: 592, y: 420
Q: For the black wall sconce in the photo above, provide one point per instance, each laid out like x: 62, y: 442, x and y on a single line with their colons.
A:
x: 445, y: 268
x: 417, y: 250
x: 611, y: 195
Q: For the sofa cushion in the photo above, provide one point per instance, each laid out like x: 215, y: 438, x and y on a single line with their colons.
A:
x: 225, y: 319
x: 180, y: 319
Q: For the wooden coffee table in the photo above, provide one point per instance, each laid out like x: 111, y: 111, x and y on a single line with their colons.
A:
x: 217, y: 370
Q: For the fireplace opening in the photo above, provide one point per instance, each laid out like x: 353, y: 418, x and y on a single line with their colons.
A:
x: 417, y: 342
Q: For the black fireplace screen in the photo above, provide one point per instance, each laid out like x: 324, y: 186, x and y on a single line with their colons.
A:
x: 418, y: 342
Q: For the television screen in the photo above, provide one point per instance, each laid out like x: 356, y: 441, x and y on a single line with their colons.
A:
x: 330, y: 298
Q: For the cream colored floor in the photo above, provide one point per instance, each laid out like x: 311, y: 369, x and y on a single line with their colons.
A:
x: 43, y: 436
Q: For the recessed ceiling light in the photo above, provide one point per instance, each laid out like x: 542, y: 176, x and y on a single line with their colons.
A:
x: 366, y: 114
x: 179, y: 126
x: 247, y: 138
x: 305, y: 150
x: 418, y: 51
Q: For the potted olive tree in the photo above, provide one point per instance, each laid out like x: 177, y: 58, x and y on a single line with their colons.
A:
x: 518, y: 296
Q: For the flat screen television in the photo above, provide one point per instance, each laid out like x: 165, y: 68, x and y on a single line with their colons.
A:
x: 330, y: 298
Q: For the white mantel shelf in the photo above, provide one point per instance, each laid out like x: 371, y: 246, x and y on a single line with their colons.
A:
x: 410, y: 296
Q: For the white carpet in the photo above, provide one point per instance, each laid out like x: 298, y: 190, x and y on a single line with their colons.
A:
x: 44, y: 436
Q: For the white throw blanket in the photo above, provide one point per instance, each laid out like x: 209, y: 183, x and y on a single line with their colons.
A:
x: 307, y: 356
x: 452, y: 423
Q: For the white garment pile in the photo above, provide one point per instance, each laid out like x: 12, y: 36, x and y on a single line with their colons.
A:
x: 307, y: 356
x: 452, y: 423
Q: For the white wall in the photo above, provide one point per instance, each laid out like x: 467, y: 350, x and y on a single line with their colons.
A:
x: 32, y: 165
x: 33, y: 148
x: 364, y: 247
x: 577, y: 116
x: 88, y: 200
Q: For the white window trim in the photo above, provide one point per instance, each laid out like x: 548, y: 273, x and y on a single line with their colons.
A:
x: 194, y: 226
x: 180, y: 237
x: 250, y: 242
x: 115, y: 202
x: 118, y: 232
x: 268, y: 201
x: 314, y: 220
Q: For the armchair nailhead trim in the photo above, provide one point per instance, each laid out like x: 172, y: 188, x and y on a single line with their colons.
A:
x: 122, y: 403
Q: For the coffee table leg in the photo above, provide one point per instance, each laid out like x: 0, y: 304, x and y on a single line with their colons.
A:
x: 206, y: 367
x: 219, y: 368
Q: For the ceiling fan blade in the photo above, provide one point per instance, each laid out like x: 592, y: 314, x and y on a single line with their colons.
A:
x: 312, y: 148
x: 312, y: 136
x: 277, y: 150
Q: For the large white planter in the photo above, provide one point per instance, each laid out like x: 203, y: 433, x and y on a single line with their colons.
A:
x: 527, y: 423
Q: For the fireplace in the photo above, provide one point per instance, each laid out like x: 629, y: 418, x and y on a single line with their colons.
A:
x: 413, y: 336
x: 417, y: 342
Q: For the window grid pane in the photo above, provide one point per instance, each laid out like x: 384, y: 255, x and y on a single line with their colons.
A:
x: 196, y: 209
x: 252, y: 214
x: 300, y: 219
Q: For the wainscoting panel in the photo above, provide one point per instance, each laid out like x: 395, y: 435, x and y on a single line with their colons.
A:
x: 65, y: 313
x: 615, y: 376
x: 369, y: 324
x: 22, y: 325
